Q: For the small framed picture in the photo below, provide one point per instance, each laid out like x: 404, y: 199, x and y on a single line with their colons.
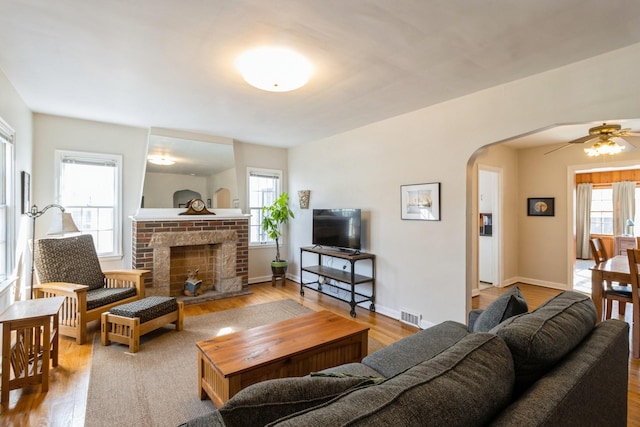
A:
x: 541, y: 206
x: 209, y: 203
x: 420, y: 201
x: 25, y: 186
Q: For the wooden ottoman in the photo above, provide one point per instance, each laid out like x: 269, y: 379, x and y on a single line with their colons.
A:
x: 125, y: 323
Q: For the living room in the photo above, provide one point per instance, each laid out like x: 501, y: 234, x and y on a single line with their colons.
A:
x: 425, y: 267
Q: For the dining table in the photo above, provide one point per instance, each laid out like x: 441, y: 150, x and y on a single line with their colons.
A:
x: 615, y: 269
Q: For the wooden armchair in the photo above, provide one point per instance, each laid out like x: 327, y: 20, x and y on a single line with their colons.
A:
x: 69, y: 267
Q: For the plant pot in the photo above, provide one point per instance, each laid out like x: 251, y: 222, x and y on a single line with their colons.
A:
x: 279, y: 268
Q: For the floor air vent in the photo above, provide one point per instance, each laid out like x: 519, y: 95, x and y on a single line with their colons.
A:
x: 410, y: 318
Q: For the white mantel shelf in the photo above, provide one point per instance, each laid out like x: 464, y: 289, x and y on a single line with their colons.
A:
x: 173, y: 214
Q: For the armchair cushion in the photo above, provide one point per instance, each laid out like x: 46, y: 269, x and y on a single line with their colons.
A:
x: 70, y: 259
x: 103, y: 296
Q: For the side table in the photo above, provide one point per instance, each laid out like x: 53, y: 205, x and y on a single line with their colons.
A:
x: 35, y: 323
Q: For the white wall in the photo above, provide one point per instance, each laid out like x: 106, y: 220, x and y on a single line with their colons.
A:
x: 62, y: 133
x: 16, y: 114
x: 427, y: 267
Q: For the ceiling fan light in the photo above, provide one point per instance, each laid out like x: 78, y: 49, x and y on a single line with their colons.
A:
x: 604, y: 147
x: 274, y: 69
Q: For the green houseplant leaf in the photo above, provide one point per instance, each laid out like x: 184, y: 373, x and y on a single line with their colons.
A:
x: 274, y: 217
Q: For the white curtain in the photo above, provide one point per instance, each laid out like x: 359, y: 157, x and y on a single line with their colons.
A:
x: 583, y: 221
x: 624, y: 205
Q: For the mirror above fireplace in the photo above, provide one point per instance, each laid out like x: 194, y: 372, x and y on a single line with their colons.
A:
x: 200, y: 163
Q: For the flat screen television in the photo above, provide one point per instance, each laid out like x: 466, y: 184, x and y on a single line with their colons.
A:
x: 339, y: 228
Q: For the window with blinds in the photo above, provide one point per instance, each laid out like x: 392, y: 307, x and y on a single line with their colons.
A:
x: 89, y: 187
x: 264, y: 189
x: 6, y: 197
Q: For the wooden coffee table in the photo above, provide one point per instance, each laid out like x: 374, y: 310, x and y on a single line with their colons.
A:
x: 291, y: 348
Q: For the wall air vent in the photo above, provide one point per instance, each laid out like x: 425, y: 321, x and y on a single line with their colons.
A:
x: 409, y: 318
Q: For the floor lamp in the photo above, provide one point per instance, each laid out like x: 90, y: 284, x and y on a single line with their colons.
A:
x: 61, y: 224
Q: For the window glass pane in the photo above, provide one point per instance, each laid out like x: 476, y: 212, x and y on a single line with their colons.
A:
x: 602, y: 211
x: 89, y: 189
x: 264, y: 188
x: 6, y: 184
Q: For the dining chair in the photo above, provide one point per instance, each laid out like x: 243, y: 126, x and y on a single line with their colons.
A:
x: 634, y: 269
x: 620, y: 292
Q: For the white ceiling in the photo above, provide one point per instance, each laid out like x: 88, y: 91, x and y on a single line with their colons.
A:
x: 169, y: 64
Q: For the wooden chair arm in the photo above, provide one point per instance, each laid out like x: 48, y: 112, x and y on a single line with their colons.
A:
x: 126, y: 278
x: 60, y: 289
x: 127, y: 273
x: 74, y: 306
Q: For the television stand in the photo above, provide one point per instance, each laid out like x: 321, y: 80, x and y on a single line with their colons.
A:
x: 347, y: 280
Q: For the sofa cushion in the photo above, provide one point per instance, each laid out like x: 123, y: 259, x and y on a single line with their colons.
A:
x: 267, y: 401
x: 538, y: 340
x: 450, y: 389
x: 354, y: 369
x: 509, y: 304
x: 416, y: 348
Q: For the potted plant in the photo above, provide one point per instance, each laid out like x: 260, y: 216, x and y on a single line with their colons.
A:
x: 274, y: 217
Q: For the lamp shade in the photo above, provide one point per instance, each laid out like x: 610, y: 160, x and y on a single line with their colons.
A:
x: 62, y: 223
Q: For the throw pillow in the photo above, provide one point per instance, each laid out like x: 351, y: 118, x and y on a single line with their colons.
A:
x: 510, y: 303
x: 270, y: 400
x: 540, y: 339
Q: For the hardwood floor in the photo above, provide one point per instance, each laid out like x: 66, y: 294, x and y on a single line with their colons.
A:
x: 65, y: 403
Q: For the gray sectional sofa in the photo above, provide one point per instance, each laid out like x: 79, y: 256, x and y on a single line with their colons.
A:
x: 549, y: 367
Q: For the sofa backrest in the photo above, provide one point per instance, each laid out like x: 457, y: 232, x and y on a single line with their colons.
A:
x: 540, y: 339
x: 587, y: 388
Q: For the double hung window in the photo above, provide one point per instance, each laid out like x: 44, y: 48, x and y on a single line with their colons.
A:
x: 6, y: 205
x: 89, y: 187
x: 264, y: 189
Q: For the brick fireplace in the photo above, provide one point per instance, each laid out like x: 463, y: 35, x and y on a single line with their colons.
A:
x: 170, y: 245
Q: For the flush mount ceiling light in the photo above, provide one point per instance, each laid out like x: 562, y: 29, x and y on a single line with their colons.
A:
x: 606, y: 146
x: 274, y: 69
x: 160, y: 160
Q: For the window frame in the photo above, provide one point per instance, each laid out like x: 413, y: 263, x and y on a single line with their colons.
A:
x: 601, y: 188
x: 60, y: 155
x: 7, y: 139
x: 253, y: 171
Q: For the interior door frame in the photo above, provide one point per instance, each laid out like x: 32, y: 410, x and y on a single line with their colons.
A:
x: 497, y: 231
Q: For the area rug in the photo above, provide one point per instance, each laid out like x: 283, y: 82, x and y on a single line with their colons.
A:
x: 158, y: 385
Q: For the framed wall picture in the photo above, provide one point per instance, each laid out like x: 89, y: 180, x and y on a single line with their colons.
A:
x: 25, y: 186
x: 420, y: 201
x: 541, y: 206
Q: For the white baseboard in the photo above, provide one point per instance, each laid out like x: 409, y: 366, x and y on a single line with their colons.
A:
x: 543, y: 283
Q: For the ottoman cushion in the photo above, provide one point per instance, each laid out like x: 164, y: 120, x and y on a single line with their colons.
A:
x: 147, y: 308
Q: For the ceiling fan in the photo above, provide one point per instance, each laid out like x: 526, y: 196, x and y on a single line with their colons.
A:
x: 604, y: 135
